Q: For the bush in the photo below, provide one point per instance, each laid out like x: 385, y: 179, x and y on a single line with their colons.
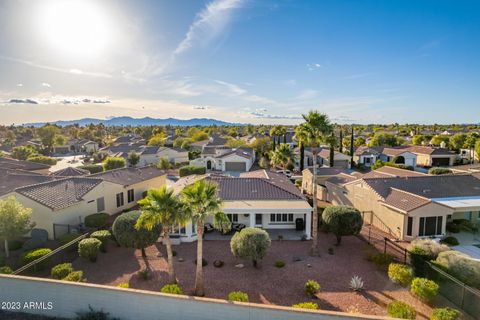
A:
x: 418, y: 259
x: 32, y: 255
x: 382, y: 260
x: 401, y: 310
x: 439, y: 171
x: 460, y: 266
x: 452, y: 241
x: 123, y: 285
x: 91, y: 314
x: 424, y: 289
x: 445, y: 314
x: 400, y: 273
x: 143, y: 274
x: 60, y: 271
x: 172, y: 289
x: 430, y: 248
x: 103, y: 236
x: 279, y: 264
x: 88, y: 248
x: 238, y: 296
x: 342, y: 221
x: 92, y: 168
x: 306, y: 305
x: 75, y: 276
x: 13, y: 245
x: 43, y: 160
x: 250, y: 243
x: 6, y: 270
x: 96, y: 220
x: 312, y: 287
x: 111, y: 163
x: 191, y: 169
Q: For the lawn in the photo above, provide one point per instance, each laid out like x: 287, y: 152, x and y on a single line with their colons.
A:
x: 267, y: 284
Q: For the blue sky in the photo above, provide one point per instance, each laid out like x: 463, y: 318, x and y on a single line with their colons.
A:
x: 240, y: 60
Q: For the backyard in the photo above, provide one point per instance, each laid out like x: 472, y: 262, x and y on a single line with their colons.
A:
x: 267, y: 284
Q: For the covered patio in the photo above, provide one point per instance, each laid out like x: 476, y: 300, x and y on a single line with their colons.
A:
x: 275, y: 234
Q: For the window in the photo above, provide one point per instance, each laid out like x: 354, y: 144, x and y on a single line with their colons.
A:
x: 430, y: 226
x: 194, y: 230
x: 281, y: 217
x: 409, y: 226
x: 272, y: 217
x: 130, y: 195
x: 367, y: 160
x: 119, y: 199
x: 232, y: 217
x: 258, y: 219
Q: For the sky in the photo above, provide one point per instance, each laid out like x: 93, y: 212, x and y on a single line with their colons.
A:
x: 246, y: 61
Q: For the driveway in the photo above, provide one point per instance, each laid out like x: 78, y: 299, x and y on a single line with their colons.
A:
x: 68, y: 161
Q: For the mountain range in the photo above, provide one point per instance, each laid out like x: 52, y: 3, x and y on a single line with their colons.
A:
x: 147, y: 121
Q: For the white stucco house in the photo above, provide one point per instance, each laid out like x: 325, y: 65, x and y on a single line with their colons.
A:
x: 226, y: 159
x: 152, y: 155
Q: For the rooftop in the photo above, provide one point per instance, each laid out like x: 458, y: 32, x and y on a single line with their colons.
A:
x: 7, y: 163
x: 129, y: 176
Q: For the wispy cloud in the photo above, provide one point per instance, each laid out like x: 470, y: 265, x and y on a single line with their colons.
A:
x: 313, y: 66
x: 46, y: 85
x: 19, y: 84
x: 56, y: 100
x: 237, y: 91
x: 30, y: 101
x: 208, y: 23
x: 264, y: 115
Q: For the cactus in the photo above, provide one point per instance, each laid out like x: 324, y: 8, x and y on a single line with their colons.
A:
x: 356, y: 283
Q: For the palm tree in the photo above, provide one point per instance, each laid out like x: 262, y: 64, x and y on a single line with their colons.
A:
x: 314, y: 131
x: 273, y: 134
x: 282, y: 131
x: 202, y: 201
x: 282, y: 156
x: 162, y: 207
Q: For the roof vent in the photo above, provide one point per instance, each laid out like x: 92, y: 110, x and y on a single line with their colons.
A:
x: 426, y: 190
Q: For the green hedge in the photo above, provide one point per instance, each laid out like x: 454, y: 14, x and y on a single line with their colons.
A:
x: 439, y: 171
x: 96, y: 220
x: 400, y: 273
x: 92, y: 168
x: 191, y: 169
x: 43, y: 160
x: 103, y: 236
x: 424, y: 289
x: 75, y: 276
x: 32, y: 255
x: 401, y: 310
x: 445, y: 314
x: 238, y: 296
x: 306, y: 305
x: 88, y: 248
x: 60, y: 271
x: 172, y: 289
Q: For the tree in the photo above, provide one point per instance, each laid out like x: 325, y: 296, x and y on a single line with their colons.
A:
x: 201, y: 201
x: 342, y: 221
x: 60, y: 140
x: 282, y: 156
x: 164, y: 164
x: 437, y: 140
x: 273, y: 134
x: 14, y: 220
x: 313, y: 132
x: 261, y: 146
x: 418, y: 139
x: 158, y: 140
x: 162, y: 207
x: 383, y: 139
x: 340, y: 139
x: 282, y: 131
x: 359, y: 141
x: 128, y: 236
x: 47, y: 135
x: 332, y: 142
x: 23, y: 152
x: 133, y: 158
x: 470, y: 142
x: 250, y: 243
x: 457, y: 141
x: 477, y: 149
x: 111, y: 163
x: 352, y: 147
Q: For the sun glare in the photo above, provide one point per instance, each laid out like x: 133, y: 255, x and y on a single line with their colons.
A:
x: 77, y: 27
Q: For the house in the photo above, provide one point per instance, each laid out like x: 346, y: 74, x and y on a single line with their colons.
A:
x: 433, y: 157
x: 323, y: 174
x: 129, y: 139
x: 414, y: 206
x: 57, y: 202
x: 14, y: 164
x: 153, y: 154
x: 70, y: 172
x: 340, y: 160
x: 260, y: 198
x: 367, y: 156
x: 226, y: 159
x: 85, y: 146
x: 11, y: 179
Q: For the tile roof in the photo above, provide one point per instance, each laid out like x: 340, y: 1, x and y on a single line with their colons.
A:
x: 149, y: 150
x: 242, y: 152
x: 404, y: 201
x: 326, y: 171
x: 325, y: 153
x: 217, y: 140
x: 341, y: 178
x: 12, y: 179
x: 430, y: 150
x: 129, y: 176
x: 70, y: 172
x: 59, y: 194
x: 7, y: 163
x: 391, y: 172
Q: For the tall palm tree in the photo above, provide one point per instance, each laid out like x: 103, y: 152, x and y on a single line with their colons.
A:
x: 282, y: 131
x: 162, y: 207
x: 202, y: 201
x: 314, y: 131
x: 282, y: 156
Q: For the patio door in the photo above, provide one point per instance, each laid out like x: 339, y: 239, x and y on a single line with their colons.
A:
x: 258, y: 219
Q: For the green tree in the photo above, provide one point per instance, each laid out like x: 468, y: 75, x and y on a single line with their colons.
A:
x: 201, y: 201
x: 383, y: 139
x: 60, y: 140
x: 437, y: 140
x: 14, y: 220
x: 164, y: 164
x: 282, y: 156
x: 273, y: 134
x: 418, y: 139
x: 133, y: 158
x: 111, y: 163
x: 158, y: 140
x: 314, y: 131
x: 342, y: 221
x: 359, y: 141
x: 261, y: 146
x: 470, y: 143
x: 23, y: 152
x: 47, y: 135
x: 162, y: 207
x: 128, y: 236
x: 457, y: 141
x: 477, y: 149
x: 250, y: 243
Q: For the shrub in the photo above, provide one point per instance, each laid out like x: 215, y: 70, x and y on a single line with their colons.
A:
x: 279, y: 264
x: 92, y: 168
x: 382, y: 260
x: 356, y: 283
x: 60, y: 271
x: 424, y: 289
x: 123, y: 285
x: 111, y: 163
x: 172, y: 289
x: 445, y: 314
x: 103, y: 236
x: 401, y: 310
x: 452, y: 241
x: 74, y: 276
x: 418, y: 258
x: 342, y: 221
x: 250, y: 243
x: 92, y: 314
x: 400, y: 273
x: 96, y: 220
x: 143, y: 274
x: 13, y: 245
x: 32, y: 255
x: 6, y: 270
x: 191, y: 169
x: 312, y: 287
x: 66, y: 238
x: 431, y: 248
x: 306, y: 305
x: 34, y: 243
x: 88, y: 248
x: 439, y: 171
x: 43, y: 160
x: 238, y: 296
x: 460, y: 266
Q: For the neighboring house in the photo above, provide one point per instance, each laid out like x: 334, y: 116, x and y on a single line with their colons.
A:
x: 152, y: 155
x: 366, y: 156
x: 399, y: 155
x: 14, y: 164
x: 226, y: 159
x: 70, y: 172
x: 129, y: 139
x: 11, y: 179
x: 340, y: 160
x: 433, y: 157
x: 198, y: 145
x: 288, y: 138
x: 323, y: 174
x: 85, y: 145
x: 468, y: 155
x: 414, y: 206
x: 59, y: 202
x: 256, y: 199
x: 421, y: 156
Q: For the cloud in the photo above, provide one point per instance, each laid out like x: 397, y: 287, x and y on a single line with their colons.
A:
x: 259, y: 114
x: 58, y: 100
x: 46, y: 85
x: 233, y: 88
x: 208, y: 23
x: 307, y: 94
x: 30, y: 101
x: 200, y: 107
x: 313, y: 66
x: 19, y: 84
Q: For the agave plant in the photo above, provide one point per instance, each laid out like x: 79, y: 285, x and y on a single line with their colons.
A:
x: 356, y: 283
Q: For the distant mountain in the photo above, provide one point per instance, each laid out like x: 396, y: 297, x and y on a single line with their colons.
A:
x: 147, y: 121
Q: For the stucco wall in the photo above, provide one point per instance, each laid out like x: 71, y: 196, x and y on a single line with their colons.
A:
x: 67, y: 298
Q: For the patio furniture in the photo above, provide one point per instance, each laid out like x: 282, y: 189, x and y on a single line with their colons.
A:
x: 207, y: 228
x: 238, y: 227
